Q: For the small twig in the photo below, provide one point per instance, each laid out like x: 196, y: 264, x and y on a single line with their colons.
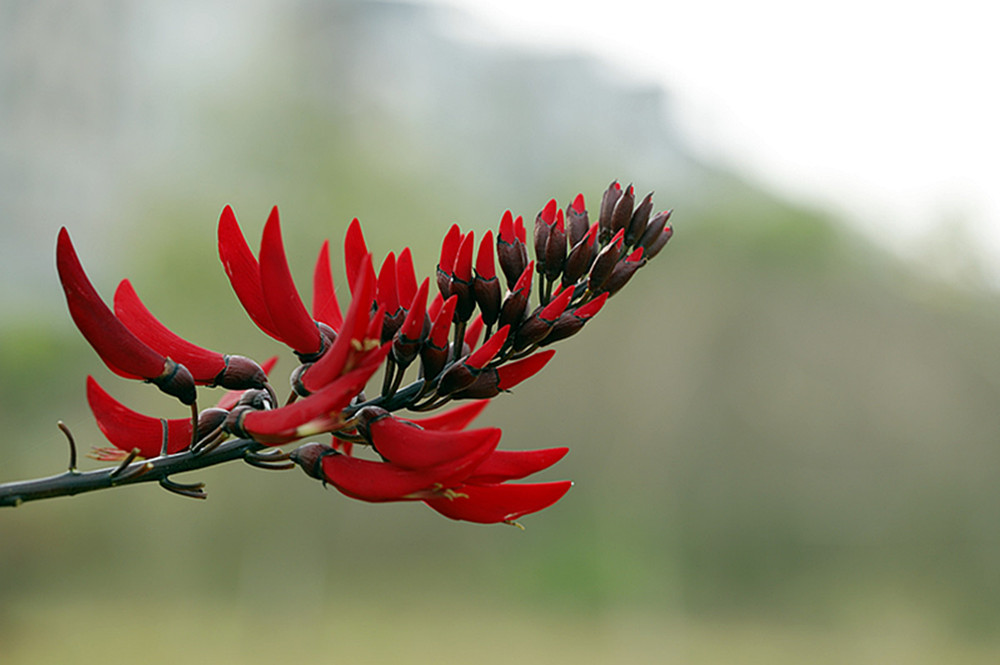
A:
x: 125, y: 462
x: 72, y: 445
x: 193, y: 490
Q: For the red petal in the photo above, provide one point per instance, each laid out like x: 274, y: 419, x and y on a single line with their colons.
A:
x: 413, y: 325
x: 578, y: 205
x: 485, y: 263
x: 548, y: 213
x: 325, y: 307
x: 320, y: 412
x: 474, y: 330
x: 505, y: 465
x: 507, y: 234
x: 522, y: 235
x: 511, y: 374
x: 354, y: 253
x: 442, y: 323
x: 488, y: 350
x: 410, y: 446
x: 463, y: 262
x: 554, y: 309
x: 127, y: 429
x: 386, y: 286
x: 453, y: 419
x: 288, y: 314
x: 119, y: 348
x: 591, y: 308
x: 449, y: 249
x: 406, y: 276
x: 204, y: 365
x: 243, y: 272
x: 489, y: 504
x: 380, y: 481
x: 351, y: 336
x: 231, y: 397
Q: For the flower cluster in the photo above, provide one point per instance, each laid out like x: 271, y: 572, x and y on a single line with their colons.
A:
x: 391, y: 322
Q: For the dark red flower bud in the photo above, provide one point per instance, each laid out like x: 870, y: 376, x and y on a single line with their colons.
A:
x: 537, y: 326
x: 577, y: 220
x: 434, y: 352
x: 461, y: 280
x: 514, y: 305
x: 446, y: 265
x: 608, y: 201
x: 572, y: 322
x: 605, y: 263
x: 308, y: 457
x: 325, y: 307
x: 640, y: 218
x: 388, y: 300
x: 511, y: 251
x: 555, y: 247
x: 658, y: 232
x: 120, y: 349
x: 492, y: 381
x: 457, y: 377
x: 486, y: 286
x: 622, y: 213
x: 544, y: 223
x: 407, y: 342
x: 580, y: 258
x: 623, y: 272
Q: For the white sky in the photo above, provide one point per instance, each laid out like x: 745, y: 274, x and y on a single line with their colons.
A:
x: 887, y: 109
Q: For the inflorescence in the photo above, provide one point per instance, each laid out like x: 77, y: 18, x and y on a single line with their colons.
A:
x: 392, y: 322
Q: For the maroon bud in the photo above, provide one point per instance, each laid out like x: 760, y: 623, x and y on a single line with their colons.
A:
x: 486, y: 385
x: 514, y: 305
x: 457, y: 377
x: 623, y: 273
x: 511, y: 252
x: 555, y: 248
x: 608, y: 201
x: 580, y: 258
x: 176, y: 380
x: 605, y: 263
x: 310, y: 457
x: 658, y: 232
x: 366, y: 416
x: 544, y: 224
x: 485, y: 285
x: 577, y: 221
x: 240, y: 373
x: 640, y: 217
x: 210, y: 420
x: 622, y: 213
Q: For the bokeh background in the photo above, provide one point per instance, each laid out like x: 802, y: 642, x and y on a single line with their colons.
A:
x: 784, y: 435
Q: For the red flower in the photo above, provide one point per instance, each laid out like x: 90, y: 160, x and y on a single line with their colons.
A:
x: 456, y: 471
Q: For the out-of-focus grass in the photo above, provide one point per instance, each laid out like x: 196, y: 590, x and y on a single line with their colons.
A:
x: 417, y: 627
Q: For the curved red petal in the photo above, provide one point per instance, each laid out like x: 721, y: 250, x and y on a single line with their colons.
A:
x: 320, y: 412
x: 325, y: 307
x: 355, y: 251
x: 442, y: 323
x: 511, y: 374
x: 413, y: 326
x: 591, y: 309
x: 485, y: 263
x: 505, y: 465
x: 474, y: 331
x: 557, y: 306
x: 243, y: 272
x: 488, y: 350
x: 463, y: 261
x: 449, y: 249
x: 453, y: 419
x: 204, y: 365
x: 351, y: 336
x: 126, y: 429
x: 406, y: 276
x: 385, y: 290
x: 288, y: 314
x: 408, y: 445
x: 381, y: 481
x: 119, y: 348
x: 490, y: 504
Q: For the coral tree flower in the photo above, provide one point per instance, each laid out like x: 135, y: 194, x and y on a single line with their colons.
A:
x: 391, y: 322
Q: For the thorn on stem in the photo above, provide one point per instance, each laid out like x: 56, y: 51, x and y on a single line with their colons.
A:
x: 125, y: 462
x: 193, y: 490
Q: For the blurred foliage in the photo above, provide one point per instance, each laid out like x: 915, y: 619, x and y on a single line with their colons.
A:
x: 782, y: 437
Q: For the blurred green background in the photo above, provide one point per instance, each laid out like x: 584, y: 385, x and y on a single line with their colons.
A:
x: 784, y: 440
